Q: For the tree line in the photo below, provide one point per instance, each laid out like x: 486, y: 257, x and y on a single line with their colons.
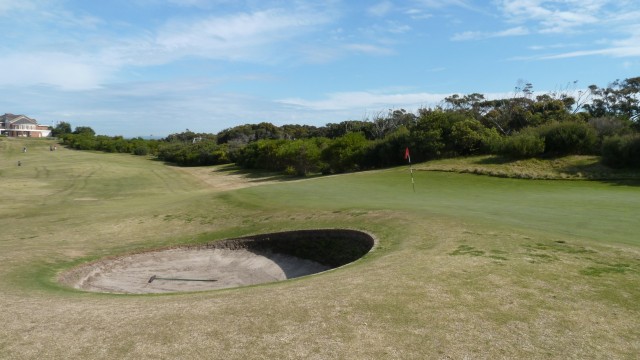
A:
x: 601, y: 121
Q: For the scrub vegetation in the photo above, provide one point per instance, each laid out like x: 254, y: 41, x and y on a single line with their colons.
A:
x: 600, y: 122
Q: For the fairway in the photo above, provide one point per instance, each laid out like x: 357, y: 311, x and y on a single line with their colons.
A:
x: 466, y: 266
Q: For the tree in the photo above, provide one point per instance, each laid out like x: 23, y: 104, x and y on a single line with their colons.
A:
x: 84, y: 130
x: 620, y: 98
x: 427, y: 135
x: 61, y: 129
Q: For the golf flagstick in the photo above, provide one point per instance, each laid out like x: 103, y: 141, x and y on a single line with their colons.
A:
x: 407, y: 156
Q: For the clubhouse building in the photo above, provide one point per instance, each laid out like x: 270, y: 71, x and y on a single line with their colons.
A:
x: 22, y: 126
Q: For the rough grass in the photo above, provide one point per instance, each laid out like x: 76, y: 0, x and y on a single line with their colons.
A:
x: 575, y: 167
x: 467, y: 266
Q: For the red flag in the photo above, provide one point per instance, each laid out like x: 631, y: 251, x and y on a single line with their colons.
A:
x: 407, y: 156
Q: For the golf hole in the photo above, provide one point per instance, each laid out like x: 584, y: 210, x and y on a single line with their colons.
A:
x: 244, y: 261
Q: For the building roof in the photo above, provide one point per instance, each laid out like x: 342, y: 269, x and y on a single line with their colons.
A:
x: 7, y: 119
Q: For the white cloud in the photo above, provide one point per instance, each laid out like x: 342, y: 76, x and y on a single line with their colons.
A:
x: 442, y: 3
x: 80, y: 58
x: 615, y: 51
x: 476, y: 35
x: 625, y: 47
x: 364, y: 100
x: 369, y: 49
x: 7, y: 6
x: 380, y: 9
x: 65, y: 71
x: 418, y: 14
x: 245, y: 36
x: 555, y: 16
x: 204, y: 4
x: 30, y: 12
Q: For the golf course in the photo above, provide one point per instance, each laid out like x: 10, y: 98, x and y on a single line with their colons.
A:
x: 465, y: 266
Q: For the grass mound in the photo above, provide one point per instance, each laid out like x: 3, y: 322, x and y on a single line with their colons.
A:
x: 574, y: 167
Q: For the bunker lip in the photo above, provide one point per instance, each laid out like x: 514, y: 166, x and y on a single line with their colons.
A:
x: 243, y: 261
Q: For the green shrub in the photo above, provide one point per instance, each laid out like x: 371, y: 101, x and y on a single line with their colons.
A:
x: 141, y: 150
x: 621, y: 151
x: 568, y: 138
x: 300, y: 157
x: 470, y: 137
x: 193, y: 154
x: 346, y: 153
x: 526, y: 144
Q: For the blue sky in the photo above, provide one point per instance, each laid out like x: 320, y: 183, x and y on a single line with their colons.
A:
x: 142, y: 67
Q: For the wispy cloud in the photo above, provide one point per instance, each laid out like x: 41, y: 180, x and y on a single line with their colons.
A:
x: 625, y: 48
x: 443, y: 3
x: 418, y: 14
x: 563, y: 16
x: 477, y: 35
x: 551, y: 16
x: 203, y: 4
x: 369, y: 49
x: 65, y: 71
x: 84, y: 60
x: 244, y: 36
x: 614, y: 22
x: 380, y: 9
x: 7, y: 6
x: 365, y: 100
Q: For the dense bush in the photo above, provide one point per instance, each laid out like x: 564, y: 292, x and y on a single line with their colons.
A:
x: 301, y: 157
x: 346, y: 153
x: 388, y: 151
x: 113, y: 144
x: 568, y: 138
x: 304, y: 156
x: 622, y: 151
x: 521, y: 145
x: 470, y: 137
x: 193, y: 154
x: 610, y: 126
x: 261, y: 154
x: 80, y: 141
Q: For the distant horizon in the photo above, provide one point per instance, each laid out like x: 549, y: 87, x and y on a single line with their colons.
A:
x: 125, y: 67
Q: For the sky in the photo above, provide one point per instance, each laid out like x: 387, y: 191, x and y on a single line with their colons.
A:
x: 157, y: 67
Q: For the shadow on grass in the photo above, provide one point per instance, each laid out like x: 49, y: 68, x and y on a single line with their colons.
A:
x: 259, y: 175
x: 233, y: 169
x: 602, y: 173
x: 587, y: 169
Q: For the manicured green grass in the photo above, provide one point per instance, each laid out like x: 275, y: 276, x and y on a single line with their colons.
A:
x: 468, y: 266
x: 597, y: 211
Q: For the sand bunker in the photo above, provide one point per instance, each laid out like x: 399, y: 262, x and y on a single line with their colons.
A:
x: 223, y: 264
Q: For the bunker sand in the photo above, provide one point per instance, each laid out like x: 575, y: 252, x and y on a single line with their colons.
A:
x: 188, y: 269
